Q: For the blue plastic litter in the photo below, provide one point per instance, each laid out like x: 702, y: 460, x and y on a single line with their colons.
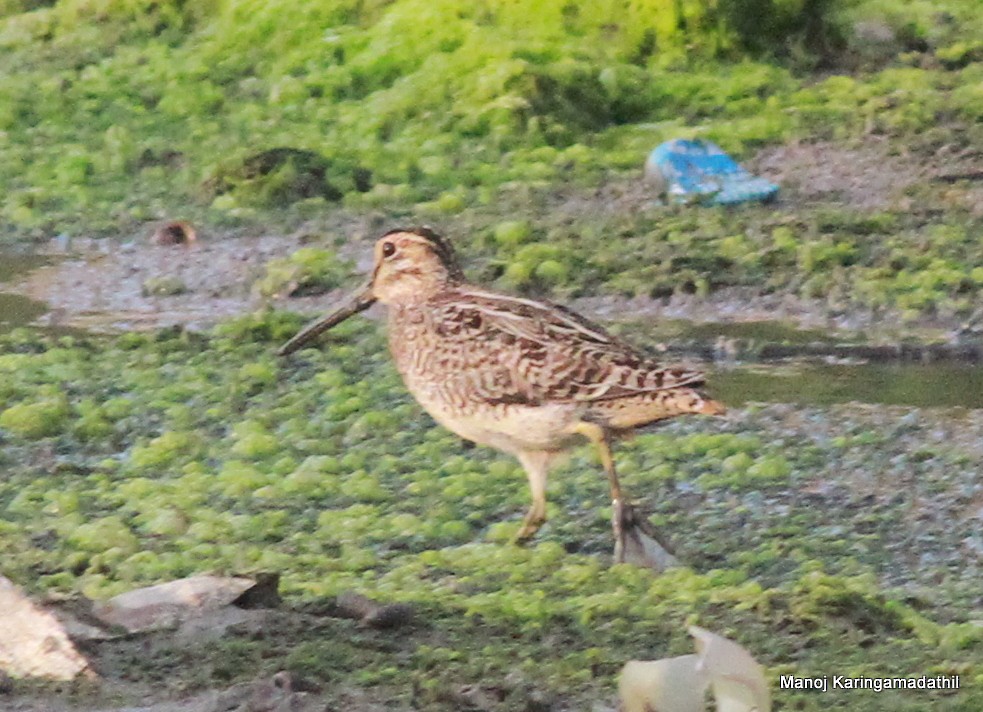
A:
x: 701, y: 170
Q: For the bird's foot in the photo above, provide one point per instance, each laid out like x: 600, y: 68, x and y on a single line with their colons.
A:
x: 637, y: 542
x: 530, y: 525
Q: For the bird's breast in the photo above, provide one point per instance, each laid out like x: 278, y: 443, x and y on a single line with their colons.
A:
x: 461, y: 386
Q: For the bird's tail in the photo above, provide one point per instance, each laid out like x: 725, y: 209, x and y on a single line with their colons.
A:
x: 683, y: 401
x: 648, y: 408
x: 708, y: 406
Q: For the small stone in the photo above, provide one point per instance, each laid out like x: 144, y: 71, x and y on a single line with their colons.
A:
x: 391, y: 616
x: 354, y: 605
x: 370, y: 613
x: 177, y: 232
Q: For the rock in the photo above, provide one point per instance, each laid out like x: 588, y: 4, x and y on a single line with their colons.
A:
x: 354, y: 605
x: 176, y: 232
x: 169, y: 604
x: 278, y: 693
x: 370, y: 613
x: 389, y: 616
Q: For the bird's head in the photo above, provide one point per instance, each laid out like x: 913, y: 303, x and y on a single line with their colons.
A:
x: 410, y: 266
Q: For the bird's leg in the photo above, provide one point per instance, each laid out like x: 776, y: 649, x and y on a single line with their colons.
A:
x: 536, y: 465
x: 635, y: 540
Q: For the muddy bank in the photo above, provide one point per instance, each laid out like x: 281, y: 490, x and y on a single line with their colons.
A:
x: 803, y: 353
x: 109, y: 286
x: 106, y: 286
x: 845, y: 249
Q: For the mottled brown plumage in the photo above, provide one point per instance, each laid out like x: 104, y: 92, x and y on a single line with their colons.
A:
x: 530, y: 378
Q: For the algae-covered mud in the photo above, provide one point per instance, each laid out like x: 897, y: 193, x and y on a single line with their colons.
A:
x: 835, y: 540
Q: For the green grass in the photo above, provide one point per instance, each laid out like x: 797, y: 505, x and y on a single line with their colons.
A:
x: 246, y: 112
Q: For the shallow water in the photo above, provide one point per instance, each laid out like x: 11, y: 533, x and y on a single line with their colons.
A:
x: 13, y: 264
x: 15, y: 309
x: 774, y: 362
x: 816, y: 383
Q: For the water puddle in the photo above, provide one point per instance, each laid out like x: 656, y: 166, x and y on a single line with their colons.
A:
x: 774, y: 362
x: 14, y: 263
x: 939, y: 385
x: 15, y: 309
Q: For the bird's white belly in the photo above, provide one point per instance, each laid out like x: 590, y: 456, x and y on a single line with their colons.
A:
x: 510, y: 428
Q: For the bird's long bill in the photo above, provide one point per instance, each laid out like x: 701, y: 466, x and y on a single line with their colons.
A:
x: 360, y: 301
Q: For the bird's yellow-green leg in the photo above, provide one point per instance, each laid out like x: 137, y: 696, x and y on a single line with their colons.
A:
x: 536, y: 465
x: 599, y: 437
x: 635, y: 541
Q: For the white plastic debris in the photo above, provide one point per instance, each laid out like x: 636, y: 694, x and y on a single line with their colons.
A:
x: 33, y: 643
x: 667, y: 685
x: 680, y: 684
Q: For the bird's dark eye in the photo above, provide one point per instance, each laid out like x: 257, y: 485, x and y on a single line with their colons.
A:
x: 388, y: 249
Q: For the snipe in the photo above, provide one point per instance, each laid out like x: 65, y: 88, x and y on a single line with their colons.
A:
x: 530, y: 378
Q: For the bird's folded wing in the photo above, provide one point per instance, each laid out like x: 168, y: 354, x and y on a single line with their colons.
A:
x: 534, y: 352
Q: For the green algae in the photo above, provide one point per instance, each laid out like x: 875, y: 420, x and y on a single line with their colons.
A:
x: 309, y: 270
x: 211, y: 454
x: 916, y: 266
x: 36, y: 419
x: 207, y: 453
x: 166, y: 286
